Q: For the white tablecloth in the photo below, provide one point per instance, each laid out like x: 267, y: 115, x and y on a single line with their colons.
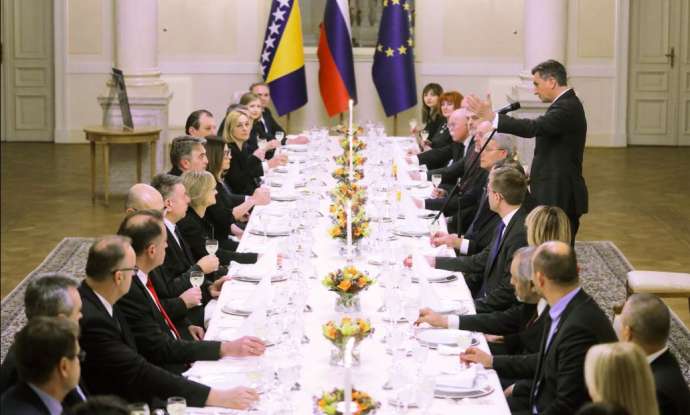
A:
x: 317, y: 374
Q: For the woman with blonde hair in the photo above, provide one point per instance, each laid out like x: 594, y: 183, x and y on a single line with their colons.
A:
x: 620, y: 374
x: 195, y: 229
x: 258, y: 131
x: 547, y: 223
x: 246, y: 169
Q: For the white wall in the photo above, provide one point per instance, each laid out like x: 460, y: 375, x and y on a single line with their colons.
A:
x: 209, y: 53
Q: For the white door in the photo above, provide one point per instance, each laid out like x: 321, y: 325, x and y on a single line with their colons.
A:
x: 658, y: 110
x: 27, y: 70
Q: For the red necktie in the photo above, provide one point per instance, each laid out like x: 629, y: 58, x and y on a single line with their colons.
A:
x: 152, y: 290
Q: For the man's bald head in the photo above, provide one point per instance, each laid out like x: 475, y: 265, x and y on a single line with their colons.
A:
x: 557, y: 262
x: 457, y: 125
x: 648, y: 320
x: 141, y: 196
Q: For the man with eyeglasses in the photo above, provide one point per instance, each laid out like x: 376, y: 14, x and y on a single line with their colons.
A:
x: 48, y: 361
x: 49, y: 295
x: 113, y: 364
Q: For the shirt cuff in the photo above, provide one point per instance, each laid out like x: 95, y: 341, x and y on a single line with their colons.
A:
x: 453, y: 321
x: 464, y: 246
x: 494, y: 123
x: 264, y: 165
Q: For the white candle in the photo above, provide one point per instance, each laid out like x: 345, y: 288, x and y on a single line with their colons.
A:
x: 349, y: 226
x: 350, y: 104
x: 351, y: 169
x: 349, y: 346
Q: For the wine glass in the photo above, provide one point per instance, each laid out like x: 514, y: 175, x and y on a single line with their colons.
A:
x: 196, y: 278
x: 139, y: 408
x: 279, y: 136
x: 425, y: 135
x: 413, y: 124
x: 436, y: 180
x: 176, y: 405
x: 425, y: 393
x: 211, y: 246
x: 263, y: 143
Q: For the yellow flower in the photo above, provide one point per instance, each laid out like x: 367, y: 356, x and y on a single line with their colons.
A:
x: 345, y: 285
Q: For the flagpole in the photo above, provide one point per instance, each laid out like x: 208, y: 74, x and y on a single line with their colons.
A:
x: 287, y: 122
x: 395, y: 125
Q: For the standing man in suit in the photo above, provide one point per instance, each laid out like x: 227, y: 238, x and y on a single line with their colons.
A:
x: 48, y: 358
x: 157, y: 337
x: 113, y: 365
x: 574, y: 324
x: 646, y: 321
x: 267, y: 121
x: 51, y: 295
x: 487, y: 273
x: 556, y: 174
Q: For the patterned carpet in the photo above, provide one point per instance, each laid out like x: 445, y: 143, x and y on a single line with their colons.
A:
x: 602, y: 267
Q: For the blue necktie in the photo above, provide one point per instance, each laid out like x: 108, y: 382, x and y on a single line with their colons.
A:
x: 492, y: 256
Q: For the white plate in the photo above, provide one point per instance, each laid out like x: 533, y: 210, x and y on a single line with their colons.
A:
x: 256, y: 280
x: 279, y: 183
x: 475, y: 392
x: 448, y: 306
x: 283, y: 197
x: 296, y: 147
x: 435, y: 337
x: 270, y: 233
x: 411, y: 232
x: 421, y: 213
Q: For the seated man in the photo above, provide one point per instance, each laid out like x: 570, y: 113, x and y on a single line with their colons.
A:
x: 646, y: 321
x: 575, y: 324
x: 516, y: 330
x: 187, y: 153
x: 51, y: 295
x: 157, y: 338
x: 267, y: 121
x: 487, y: 273
x: 48, y: 357
x: 180, y: 300
x: 113, y: 365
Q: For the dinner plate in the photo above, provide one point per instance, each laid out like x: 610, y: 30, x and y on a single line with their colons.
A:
x: 256, y: 280
x: 448, y: 306
x: 451, y: 393
x: 296, y: 147
x: 432, y: 338
x: 411, y: 232
x: 280, y: 183
x: 283, y: 197
x: 270, y: 233
x: 421, y: 213
x: 437, y: 276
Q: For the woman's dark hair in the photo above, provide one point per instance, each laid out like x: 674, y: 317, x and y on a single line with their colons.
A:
x: 215, y: 151
x: 429, y: 114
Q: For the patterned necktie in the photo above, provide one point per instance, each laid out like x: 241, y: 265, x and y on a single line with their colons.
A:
x: 171, y: 326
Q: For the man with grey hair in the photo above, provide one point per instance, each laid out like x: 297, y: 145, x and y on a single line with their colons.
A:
x: 646, y: 321
x: 49, y: 295
x: 187, y: 153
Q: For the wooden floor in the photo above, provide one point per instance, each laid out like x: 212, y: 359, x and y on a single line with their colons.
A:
x: 639, y: 199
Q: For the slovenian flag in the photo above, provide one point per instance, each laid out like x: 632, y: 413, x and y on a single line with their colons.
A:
x: 282, y: 57
x: 336, y: 66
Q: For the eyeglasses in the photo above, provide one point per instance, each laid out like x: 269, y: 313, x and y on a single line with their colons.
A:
x: 134, y: 269
x: 81, y: 355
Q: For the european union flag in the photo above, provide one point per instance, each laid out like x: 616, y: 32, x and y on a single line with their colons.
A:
x: 393, y: 69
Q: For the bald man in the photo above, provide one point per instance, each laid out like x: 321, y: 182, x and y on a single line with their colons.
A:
x: 143, y: 196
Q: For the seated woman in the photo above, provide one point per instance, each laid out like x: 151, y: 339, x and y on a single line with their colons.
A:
x: 231, y: 211
x: 246, y: 169
x: 201, y: 189
x: 258, y: 132
x: 441, y: 151
x: 431, y: 111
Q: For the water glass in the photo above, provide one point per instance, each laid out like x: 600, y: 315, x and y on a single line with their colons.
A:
x: 176, y: 405
x: 138, y: 408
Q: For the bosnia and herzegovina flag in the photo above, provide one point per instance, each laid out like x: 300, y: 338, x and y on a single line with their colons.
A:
x: 393, y: 69
x: 282, y: 57
x: 336, y: 66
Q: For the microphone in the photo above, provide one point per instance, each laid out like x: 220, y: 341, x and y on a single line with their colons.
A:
x: 514, y: 106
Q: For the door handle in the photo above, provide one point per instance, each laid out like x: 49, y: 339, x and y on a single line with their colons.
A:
x: 671, y: 55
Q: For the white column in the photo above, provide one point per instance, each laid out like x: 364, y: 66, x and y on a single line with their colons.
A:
x: 544, y: 37
x: 136, y: 54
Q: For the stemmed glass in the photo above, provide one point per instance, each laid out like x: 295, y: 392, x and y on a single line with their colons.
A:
x: 436, y: 180
x: 279, y: 136
x: 211, y: 246
x: 413, y: 124
x: 176, y: 405
x: 196, y: 278
x: 425, y: 135
x: 425, y: 393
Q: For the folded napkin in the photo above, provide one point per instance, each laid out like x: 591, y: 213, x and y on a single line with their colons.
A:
x: 266, y: 266
x: 462, y: 380
x: 427, y: 295
x: 421, y: 268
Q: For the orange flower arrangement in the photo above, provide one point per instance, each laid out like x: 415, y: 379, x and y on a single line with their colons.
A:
x: 360, y: 222
x: 328, y: 402
x: 342, y: 174
x: 347, y: 281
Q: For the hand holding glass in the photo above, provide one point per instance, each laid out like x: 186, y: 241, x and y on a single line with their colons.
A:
x: 211, y: 246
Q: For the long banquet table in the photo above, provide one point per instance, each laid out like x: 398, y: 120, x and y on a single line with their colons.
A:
x: 317, y: 375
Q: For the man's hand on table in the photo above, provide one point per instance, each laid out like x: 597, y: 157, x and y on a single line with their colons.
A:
x: 208, y: 264
x: 244, y: 346
x: 236, y: 398
x: 214, y: 289
x: 442, y: 238
x: 261, y: 196
x: 427, y: 315
x: 196, y: 332
x: 476, y: 355
x: 407, y: 262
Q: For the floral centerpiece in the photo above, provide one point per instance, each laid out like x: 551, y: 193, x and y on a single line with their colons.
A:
x: 328, y: 402
x: 342, y: 129
x: 342, y: 174
x: 344, y: 191
x: 344, y: 159
x: 339, y: 334
x: 357, y: 144
x: 360, y: 222
x: 347, y: 282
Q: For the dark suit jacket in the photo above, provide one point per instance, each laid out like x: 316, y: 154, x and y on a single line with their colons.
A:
x: 433, y: 125
x: 245, y: 171
x: 671, y: 390
x: 21, y: 399
x: 153, y: 337
x: 495, y: 274
x: 556, y: 173
x: 196, y: 230
x: 113, y: 365
x: 480, y: 231
x: 558, y: 382
x: 10, y: 377
x: 442, y: 136
x: 220, y: 215
x: 437, y: 159
x: 272, y: 125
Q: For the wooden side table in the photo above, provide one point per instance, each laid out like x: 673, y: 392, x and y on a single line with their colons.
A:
x: 116, y: 135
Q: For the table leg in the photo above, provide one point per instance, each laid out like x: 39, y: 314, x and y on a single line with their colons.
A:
x: 139, y: 163
x: 93, y: 171
x: 106, y: 172
x: 152, y: 154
